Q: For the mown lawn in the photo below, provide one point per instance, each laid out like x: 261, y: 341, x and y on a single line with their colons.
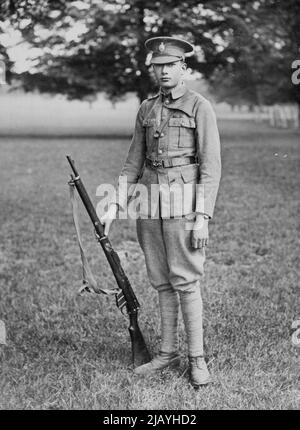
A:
x: 69, y: 352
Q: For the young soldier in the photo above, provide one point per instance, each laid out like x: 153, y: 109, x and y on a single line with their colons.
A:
x: 175, y: 142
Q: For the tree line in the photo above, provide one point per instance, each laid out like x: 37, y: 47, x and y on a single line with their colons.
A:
x: 244, y: 49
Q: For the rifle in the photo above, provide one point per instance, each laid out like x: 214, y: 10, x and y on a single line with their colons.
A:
x: 126, y: 297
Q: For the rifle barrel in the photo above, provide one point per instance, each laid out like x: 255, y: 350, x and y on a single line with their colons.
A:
x: 72, y: 164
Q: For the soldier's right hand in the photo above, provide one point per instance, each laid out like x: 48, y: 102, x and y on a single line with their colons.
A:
x: 107, y: 219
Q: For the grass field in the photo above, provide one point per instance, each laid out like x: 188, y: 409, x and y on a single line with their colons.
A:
x: 69, y: 352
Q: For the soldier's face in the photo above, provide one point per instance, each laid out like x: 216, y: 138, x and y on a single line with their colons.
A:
x: 170, y: 74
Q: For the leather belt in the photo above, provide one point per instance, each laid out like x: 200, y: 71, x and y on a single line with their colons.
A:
x: 170, y: 162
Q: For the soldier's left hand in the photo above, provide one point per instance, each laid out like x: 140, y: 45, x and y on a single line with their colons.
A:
x: 199, y: 236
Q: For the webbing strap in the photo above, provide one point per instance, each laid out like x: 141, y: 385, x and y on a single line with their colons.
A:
x: 89, y: 283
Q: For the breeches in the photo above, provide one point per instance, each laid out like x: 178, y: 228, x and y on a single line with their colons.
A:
x: 170, y: 258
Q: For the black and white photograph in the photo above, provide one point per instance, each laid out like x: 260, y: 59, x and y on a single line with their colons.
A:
x: 149, y: 208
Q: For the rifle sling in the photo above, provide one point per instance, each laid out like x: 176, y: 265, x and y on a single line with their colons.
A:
x: 89, y: 283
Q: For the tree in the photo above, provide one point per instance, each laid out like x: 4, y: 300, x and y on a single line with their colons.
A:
x: 107, y: 53
x: 260, y: 73
x: 244, y: 48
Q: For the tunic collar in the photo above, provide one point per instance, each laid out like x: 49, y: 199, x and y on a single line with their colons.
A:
x: 179, y: 98
x: 176, y: 92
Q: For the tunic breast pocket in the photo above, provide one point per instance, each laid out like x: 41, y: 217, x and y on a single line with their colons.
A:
x: 149, y: 126
x: 182, y: 132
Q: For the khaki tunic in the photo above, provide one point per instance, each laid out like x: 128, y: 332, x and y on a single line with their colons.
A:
x: 191, y: 130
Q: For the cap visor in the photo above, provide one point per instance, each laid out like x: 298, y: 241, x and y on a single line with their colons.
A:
x: 165, y: 59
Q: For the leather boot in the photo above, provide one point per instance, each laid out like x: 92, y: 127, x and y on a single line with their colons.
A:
x: 199, y: 374
x: 162, y: 360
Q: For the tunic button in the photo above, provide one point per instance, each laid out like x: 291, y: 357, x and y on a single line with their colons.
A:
x: 160, y: 151
x: 167, y: 102
x: 161, y: 134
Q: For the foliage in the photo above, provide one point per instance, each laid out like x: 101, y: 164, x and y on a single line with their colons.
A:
x: 267, y: 39
x: 245, y: 48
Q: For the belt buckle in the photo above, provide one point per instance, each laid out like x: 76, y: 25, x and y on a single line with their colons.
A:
x: 157, y: 163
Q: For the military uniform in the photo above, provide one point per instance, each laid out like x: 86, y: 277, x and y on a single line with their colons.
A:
x: 175, y: 142
x: 191, y: 131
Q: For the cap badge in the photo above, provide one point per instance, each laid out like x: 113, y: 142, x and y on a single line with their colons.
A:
x: 162, y: 47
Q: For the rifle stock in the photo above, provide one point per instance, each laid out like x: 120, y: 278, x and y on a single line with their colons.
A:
x: 140, y: 354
